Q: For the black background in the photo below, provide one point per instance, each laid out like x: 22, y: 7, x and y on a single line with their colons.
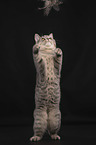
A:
x: 74, y: 29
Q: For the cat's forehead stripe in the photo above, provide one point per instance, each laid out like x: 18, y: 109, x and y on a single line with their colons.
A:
x: 45, y: 36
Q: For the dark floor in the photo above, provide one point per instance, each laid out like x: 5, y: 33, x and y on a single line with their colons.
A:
x: 70, y: 135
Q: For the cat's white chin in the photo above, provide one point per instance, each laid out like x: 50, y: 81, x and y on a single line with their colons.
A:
x: 48, y: 45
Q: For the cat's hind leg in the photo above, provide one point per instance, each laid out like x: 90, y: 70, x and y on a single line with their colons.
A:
x: 40, y: 124
x: 54, y: 122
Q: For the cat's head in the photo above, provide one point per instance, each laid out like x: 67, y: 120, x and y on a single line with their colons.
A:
x: 45, y: 42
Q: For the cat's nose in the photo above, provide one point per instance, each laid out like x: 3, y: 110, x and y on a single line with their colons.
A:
x: 47, y: 39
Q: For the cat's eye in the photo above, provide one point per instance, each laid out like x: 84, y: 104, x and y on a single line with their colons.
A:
x: 43, y: 39
x: 50, y: 38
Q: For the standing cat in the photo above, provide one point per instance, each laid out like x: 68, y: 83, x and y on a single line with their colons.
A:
x: 48, y: 63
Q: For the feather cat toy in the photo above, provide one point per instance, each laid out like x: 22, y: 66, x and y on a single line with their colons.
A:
x: 48, y: 63
x: 49, y: 4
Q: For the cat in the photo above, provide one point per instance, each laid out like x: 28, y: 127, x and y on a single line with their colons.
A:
x: 49, y: 4
x: 48, y: 63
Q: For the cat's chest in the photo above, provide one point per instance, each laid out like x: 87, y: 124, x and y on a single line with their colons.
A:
x: 49, y: 64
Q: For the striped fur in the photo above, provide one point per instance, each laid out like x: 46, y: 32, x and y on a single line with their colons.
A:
x: 48, y: 63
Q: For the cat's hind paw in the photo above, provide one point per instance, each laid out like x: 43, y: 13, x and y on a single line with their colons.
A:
x: 55, y: 136
x: 35, y: 138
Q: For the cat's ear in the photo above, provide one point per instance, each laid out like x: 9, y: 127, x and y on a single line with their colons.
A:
x: 37, y: 38
x: 51, y: 35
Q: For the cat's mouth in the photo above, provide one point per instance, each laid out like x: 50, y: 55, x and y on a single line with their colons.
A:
x: 48, y: 47
x: 48, y: 44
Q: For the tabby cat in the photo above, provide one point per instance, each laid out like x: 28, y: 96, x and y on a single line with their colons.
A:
x: 48, y: 63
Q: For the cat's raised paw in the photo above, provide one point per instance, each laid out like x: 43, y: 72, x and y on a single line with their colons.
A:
x: 35, y: 138
x: 58, y: 51
x: 55, y: 136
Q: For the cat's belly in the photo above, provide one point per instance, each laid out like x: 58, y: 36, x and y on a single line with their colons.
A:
x: 48, y: 96
x: 53, y: 94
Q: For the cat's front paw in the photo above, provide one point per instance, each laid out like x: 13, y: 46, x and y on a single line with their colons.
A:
x: 58, y: 52
x: 35, y: 138
x: 55, y: 137
x: 36, y: 49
